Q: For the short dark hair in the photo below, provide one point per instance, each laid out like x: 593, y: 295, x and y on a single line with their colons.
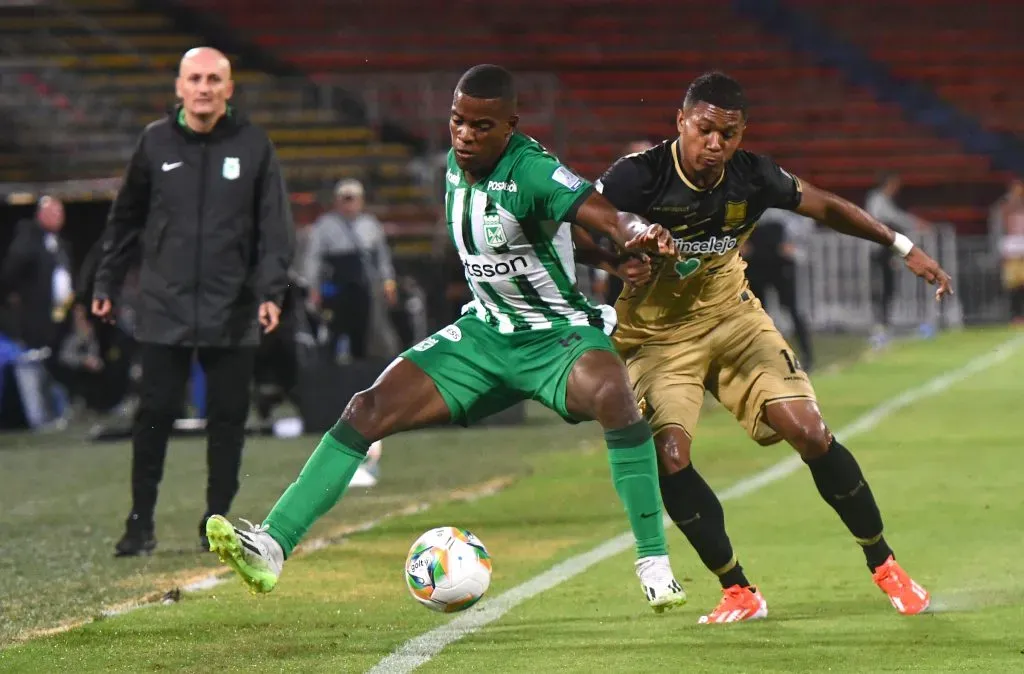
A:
x: 717, y: 89
x: 488, y: 81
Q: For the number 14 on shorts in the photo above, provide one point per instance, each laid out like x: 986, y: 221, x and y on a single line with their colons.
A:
x: 791, y: 361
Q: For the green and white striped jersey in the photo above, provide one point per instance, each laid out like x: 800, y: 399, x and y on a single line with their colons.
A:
x: 515, y: 243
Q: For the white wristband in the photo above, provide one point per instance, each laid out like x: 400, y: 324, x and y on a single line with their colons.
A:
x: 637, y: 225
x: 901, y: 245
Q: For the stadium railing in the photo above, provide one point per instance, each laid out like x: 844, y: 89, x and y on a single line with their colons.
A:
x: 838, y: 282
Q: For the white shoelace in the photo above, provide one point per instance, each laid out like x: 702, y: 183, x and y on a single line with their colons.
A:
x: 253, y: 528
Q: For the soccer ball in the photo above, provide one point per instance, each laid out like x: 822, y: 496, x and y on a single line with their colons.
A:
x: 448, y: 569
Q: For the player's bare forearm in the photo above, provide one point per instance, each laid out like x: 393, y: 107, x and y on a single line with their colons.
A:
x: 596, y: 214
x: 633, y: 268
x: 629, y: 232
x: 842, y: 216
x: 590, y: 253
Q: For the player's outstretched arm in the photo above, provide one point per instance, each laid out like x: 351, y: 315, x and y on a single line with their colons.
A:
x: 846, y: 218
x: 629, y: 232
x: 634, y: 269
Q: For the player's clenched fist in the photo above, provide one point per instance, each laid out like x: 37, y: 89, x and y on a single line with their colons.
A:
x: 635, y: 270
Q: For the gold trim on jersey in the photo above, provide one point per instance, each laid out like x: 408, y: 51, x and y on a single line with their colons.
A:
x: 682, y: 176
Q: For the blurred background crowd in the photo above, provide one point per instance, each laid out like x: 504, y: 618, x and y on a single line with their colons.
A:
x: 914, y: 112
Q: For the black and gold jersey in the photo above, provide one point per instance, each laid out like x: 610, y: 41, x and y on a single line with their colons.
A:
x: 709, y: 226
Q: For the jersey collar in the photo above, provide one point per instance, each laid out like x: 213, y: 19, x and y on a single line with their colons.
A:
x: 682, y: 176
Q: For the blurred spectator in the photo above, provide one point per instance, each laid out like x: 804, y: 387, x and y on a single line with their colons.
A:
x: 880, y: 203
x: 36, y: 273
x: 283, y: 352
x: 773, y: 251
x: 409, y: 316
x: 303, y: 236
x: 348, y: 266
x: 277, y: 363
x: 1008, y: 221
x: 121, y: 372
x: 80, y: 358
x: 37, y: 269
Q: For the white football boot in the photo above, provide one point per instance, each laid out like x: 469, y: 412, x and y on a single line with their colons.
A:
x: 660, y: 586
x: 254, y: 555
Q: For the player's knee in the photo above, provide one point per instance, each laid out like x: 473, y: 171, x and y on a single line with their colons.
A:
x: 365, y: 413
x: 614, y: 404
x: 673, y: 446
x: 809, y: 438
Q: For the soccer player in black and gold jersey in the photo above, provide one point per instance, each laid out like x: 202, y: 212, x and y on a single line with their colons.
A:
x: 696, y: 326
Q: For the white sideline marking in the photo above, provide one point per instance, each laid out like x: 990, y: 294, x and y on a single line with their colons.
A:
x: 471, y: 493
x: 215, y: 578
x: 419, y: 650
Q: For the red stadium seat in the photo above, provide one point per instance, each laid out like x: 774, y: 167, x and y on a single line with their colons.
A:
x: 982, y: 75
x: 622, y: 75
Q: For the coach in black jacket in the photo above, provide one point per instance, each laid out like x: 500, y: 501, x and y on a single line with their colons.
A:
x: 205, y: 200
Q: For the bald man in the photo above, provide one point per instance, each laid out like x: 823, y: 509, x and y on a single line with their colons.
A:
x: 37, y: 268
x: 204, y: 197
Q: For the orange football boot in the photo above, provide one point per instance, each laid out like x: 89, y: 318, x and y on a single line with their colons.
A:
x: 738, y: 604
x: 905, y: 595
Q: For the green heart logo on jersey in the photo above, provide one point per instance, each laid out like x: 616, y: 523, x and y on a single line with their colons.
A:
x: 686, y: 267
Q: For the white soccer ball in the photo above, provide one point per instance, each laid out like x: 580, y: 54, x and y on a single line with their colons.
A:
x: 448, y: 569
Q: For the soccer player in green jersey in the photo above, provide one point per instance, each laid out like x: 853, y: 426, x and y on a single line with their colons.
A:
x: 528, y: 333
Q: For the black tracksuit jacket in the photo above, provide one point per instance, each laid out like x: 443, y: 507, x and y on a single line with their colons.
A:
x: 211, y: 215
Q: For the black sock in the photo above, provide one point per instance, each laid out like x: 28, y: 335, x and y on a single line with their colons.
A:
x: 696, y: 510
x: 841, y: 483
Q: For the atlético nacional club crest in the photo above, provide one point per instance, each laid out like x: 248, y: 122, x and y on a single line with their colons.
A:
x: 494, y: 233
x: 232, y: 168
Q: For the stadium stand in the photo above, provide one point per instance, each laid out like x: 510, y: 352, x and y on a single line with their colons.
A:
x: 15, y: 165
x: 59, y: 129
x: 807, y: 116
x: 119, y: 56
x: 982, y: 76
x: 970, y: 93
x: 615, y: 78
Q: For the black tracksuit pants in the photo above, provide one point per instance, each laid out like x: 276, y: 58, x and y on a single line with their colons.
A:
x: 165, y: 372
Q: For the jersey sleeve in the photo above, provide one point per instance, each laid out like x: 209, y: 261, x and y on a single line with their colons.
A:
x: 782, y: 189
x: 624, y: 184
x: 553, y: 190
